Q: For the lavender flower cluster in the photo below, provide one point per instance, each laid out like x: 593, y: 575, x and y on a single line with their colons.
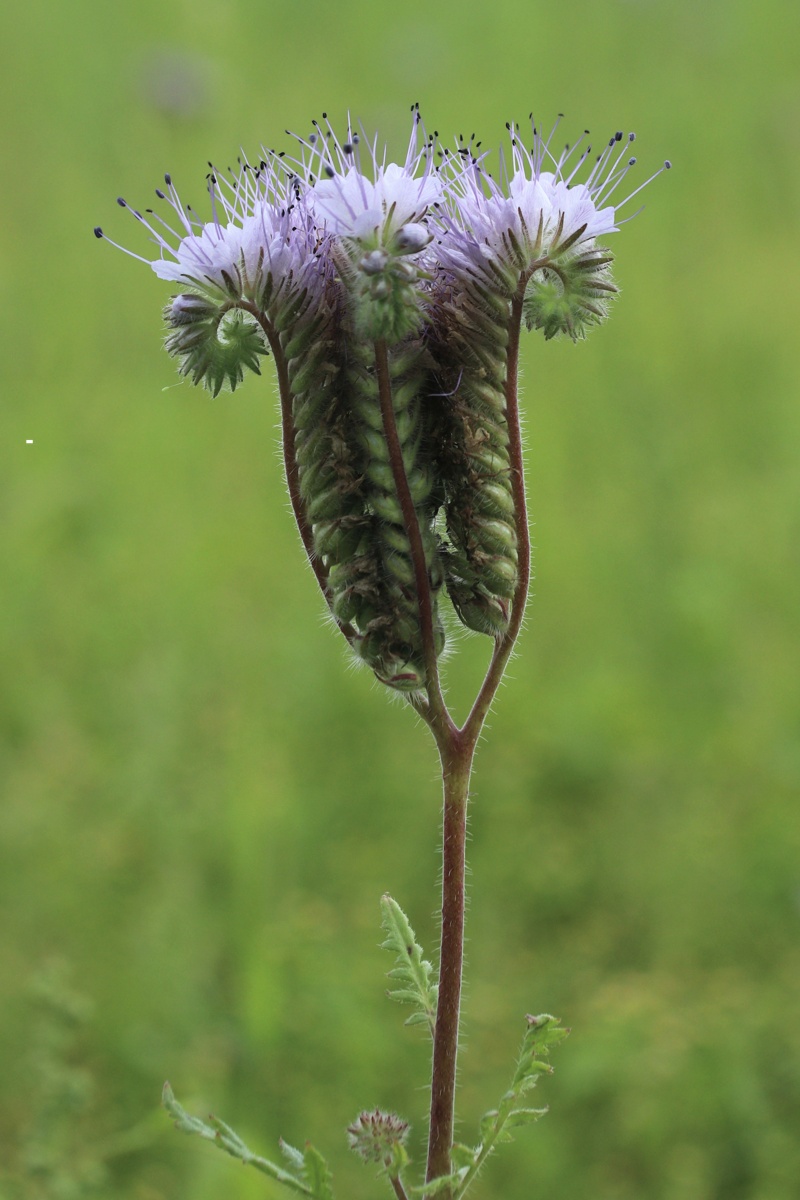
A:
x: 391, y: 297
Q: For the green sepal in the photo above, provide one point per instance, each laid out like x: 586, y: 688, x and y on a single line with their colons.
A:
x: 291, y: 311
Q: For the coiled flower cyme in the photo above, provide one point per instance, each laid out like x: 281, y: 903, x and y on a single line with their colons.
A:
x: 391, y: 296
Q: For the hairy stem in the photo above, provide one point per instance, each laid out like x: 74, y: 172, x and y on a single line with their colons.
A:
x: 457, y: 749
x: 399, y: 1190
x: 456, y: 767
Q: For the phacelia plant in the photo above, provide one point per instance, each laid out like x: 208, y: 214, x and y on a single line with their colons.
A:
x: 391, y: 297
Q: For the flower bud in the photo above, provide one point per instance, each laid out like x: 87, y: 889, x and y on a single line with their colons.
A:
x: 377, y: 1136
x: 411, y: 238
x: 480, y: 562
x: 189, y: 308
x: 569, y: 295
x: 374, y: 262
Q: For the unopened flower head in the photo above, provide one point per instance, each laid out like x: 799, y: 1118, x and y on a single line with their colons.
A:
x: 378, y: 1136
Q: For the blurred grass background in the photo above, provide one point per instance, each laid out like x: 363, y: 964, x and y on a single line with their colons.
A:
x: 201, y: 803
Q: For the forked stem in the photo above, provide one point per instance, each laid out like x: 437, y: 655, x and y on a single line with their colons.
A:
x: 456, y: 746
x: 457, y: 750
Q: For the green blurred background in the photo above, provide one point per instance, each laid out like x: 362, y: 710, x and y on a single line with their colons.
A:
x: 202, y: 803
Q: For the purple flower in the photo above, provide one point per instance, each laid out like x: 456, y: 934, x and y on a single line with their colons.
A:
x: 261, y: 231
x: 542, y: 206
x: 386, y: 205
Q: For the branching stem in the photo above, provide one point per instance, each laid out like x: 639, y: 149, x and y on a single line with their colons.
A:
x: 456, y: 746
x: 456, y: 751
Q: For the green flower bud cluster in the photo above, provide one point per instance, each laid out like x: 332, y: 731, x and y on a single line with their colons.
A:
x: 388, y: 614
x: 391, y: 300
x: 471, y: 352
x: 214, y: 343
x: 385, y: 303
x: 379, y: 1137
x: 348, y: 489
x: 571, y: 294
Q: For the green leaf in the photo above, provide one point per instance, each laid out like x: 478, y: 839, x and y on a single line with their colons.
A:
x: 412, y: 970
x: 487, y: 1125
x: 293, y: 1155
x: 310, y: 1176
x: 541, y: 1033
x: 417, y: 1018
x: 435, y: 1186
x: 463, y: 1156
x: 524, y: 1116
x: 400, y: 1161
x: 317, y: 1174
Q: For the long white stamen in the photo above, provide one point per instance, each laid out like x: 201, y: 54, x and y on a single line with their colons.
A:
x: 666, y: 167
x: 611, y: 185
x: 578, y: 165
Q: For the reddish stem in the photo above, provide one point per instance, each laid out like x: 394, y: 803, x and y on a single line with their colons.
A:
x: 456, y: 768
x: 399, y: 1190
